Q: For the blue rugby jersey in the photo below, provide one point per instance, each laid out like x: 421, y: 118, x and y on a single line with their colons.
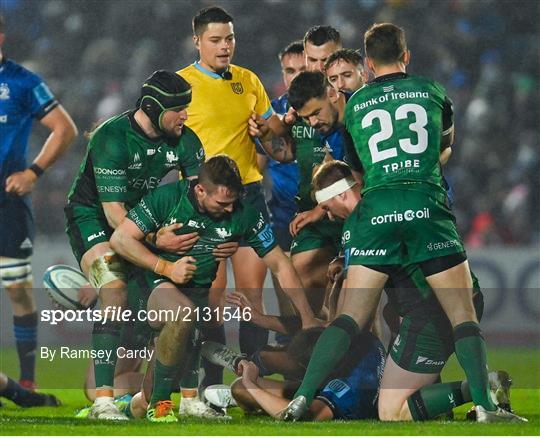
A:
x: 285, y: 179
x: 23, y: 97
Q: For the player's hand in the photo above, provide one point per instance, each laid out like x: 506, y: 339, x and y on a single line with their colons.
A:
x: 248, y: 370
x: 168, y: 240
x: 87, y: 295
x: 183, y: 270
x: 335, y: 268
x: 21, y: 182
x: 290, y: 116
x: 313, y: 322
x: 257, y: 126
x: 224, y: 250
x: 240, y: 300
x: 305, y: 218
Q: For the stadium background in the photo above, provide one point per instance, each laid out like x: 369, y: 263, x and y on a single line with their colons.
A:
x: 95, y: 54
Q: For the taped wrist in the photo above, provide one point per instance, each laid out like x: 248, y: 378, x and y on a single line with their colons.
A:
x: 164, y: 267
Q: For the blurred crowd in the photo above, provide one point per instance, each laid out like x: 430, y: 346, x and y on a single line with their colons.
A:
x: 94, y: 54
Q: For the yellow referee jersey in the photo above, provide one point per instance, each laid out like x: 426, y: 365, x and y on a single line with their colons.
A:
x: 219, y: 113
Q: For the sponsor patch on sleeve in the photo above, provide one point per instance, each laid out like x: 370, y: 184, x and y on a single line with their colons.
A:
x: 42, y: 94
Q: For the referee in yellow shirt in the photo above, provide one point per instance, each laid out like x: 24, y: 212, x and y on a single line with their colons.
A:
x: 224, y: 97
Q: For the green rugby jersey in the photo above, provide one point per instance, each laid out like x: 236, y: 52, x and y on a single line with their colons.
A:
x: 122, y: 164
x: 310, y: 152
x: 396, y: 123
x: 176, y: 203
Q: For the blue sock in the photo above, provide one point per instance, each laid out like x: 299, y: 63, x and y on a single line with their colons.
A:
x: 25, y: 329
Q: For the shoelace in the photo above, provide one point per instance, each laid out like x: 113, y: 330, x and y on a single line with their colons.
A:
x: 163, y: 407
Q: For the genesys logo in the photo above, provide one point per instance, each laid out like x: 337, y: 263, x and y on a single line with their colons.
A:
x: 435, y: 246
x: 408, y: 215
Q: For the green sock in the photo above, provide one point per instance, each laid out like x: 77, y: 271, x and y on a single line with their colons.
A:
x: 329, y: 349
x: 190, y: 377
x: 163, y: 379
x: 105, y: 337
x: 433, y: 400
x: 471, y: 353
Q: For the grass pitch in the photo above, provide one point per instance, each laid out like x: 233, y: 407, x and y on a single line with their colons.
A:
x: 523, y: 365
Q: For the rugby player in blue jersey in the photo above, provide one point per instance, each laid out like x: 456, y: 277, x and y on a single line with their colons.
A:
x: 24, y: 97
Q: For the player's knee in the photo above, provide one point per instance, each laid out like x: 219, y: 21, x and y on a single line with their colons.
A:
x: 388, y: 412
x: 107, y: 271
x: 461, y: 315
x: 113, y: 295
x: 18, y: 293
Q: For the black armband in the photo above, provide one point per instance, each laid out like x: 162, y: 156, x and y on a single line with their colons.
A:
x: 36, y: 169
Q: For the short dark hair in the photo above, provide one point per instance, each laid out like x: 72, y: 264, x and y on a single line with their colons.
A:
x: 319, y: 35
x: 348, y: 55
x: 212, y: 14
x: 330, y: 172
x: 306, y: 86
x: 294, y: 48
x: 221, y: 170
x: 385, y: 43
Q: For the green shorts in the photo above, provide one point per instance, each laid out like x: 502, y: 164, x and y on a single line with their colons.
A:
x: 322, y: 234
x: 142, y: 282
x: 86, y: 227
x: 398, y: 226
x: 426, y: 340
x: 255, y: 198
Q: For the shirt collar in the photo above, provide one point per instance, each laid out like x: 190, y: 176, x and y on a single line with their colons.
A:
x: 205, y: 71
x: 389, y: 77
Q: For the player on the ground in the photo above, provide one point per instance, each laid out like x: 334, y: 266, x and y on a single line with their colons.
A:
x: 224, y: 97
x: 399, y: 125
x: 24, y: 97
x: 424, y: 342
x: 349, y: 393
x: 127, y: 156
x: 344, y: 70
x: 211, y: 205
x: 23, y: 397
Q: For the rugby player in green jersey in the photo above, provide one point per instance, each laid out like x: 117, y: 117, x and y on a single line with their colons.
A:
x: 424, y: 342
x: 127, y: 156
x: 167, y: 281
x: 399, y: 125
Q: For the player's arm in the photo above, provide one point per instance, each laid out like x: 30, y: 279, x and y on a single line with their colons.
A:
x: 271, y: 403
x: 445, y: 155
x: 269, y: 322
x: 282, y: 268
x: 127, y: 241
x: 114, y: 212
x: 273, y: 135
x: 63, y: 132
x: 448, y: 134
